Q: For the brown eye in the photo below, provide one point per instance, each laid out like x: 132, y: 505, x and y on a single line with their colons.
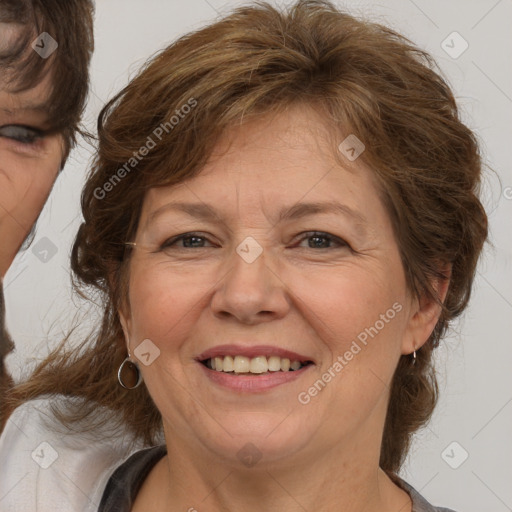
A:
x: 185, y: 241
x: 322, y: 240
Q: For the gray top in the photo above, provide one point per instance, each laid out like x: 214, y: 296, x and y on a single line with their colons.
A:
x: 6, y: 345
x: 419, y: 503
x: 127, y: 479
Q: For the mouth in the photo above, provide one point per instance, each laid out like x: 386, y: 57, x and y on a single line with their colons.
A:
x: 249, y: 366
x: 259, y: 365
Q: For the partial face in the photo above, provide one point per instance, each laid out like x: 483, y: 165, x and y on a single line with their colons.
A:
x: 29, y: 160
x: 270, y: 277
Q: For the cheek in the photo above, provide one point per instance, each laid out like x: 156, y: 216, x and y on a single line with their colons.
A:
x: 25, y: 184
x: 357, y: 317
x: 350, y: 302
x: 164, y: 302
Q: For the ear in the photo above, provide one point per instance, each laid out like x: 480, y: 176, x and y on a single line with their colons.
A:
x: 126, y: 325
x: 425, y: 313
x: 123, y: 313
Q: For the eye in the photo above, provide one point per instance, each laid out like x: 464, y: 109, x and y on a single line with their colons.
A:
x: 194, y: 240
x: 320, y: 239
x: 190, y: 240
x: 23, y: 134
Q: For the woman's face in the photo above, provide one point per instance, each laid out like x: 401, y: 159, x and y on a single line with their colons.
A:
x: 266, y: 275
x: 29, y: 163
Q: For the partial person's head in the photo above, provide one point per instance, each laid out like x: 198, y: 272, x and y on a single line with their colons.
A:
x: 45, y: 50
x: 248, y: 119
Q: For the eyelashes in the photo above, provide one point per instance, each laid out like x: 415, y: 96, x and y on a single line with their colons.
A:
x: 21, y: 134
x: 194, y: 237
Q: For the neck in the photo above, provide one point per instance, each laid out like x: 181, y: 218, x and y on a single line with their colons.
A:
x: 349, y: 475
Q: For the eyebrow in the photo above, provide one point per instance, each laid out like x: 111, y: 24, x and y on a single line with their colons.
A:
x: 298, y: 211
x: 29, y: 107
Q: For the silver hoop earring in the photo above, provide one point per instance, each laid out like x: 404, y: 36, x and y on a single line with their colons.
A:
x: 414, y: 357
x: 129, y: 375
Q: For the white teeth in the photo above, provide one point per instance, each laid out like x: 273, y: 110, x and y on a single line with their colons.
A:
x: 257, y: 365
x: 294, y: 366
x: 274, y: 364
x: 229, y: 364
x: 242, y: 364
x: 219, y: 363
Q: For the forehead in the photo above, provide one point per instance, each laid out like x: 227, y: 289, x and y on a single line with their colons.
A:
x: 32, y: 101
x: 12, y: 51
x: 281, y: 158
x: 9, y: 33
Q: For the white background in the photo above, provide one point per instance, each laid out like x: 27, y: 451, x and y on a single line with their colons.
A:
x: 473, y: 362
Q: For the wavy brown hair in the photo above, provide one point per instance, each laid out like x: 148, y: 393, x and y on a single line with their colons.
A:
x: 365, y: 79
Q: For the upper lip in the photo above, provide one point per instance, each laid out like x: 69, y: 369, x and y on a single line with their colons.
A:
x: 252, y: 351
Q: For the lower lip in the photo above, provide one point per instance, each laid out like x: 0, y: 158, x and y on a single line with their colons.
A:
x: 253, y: 384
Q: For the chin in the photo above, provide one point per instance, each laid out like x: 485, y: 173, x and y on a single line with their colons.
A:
x: 257, y: 438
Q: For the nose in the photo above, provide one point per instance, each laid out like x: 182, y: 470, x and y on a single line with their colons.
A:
x: 250, y: 292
